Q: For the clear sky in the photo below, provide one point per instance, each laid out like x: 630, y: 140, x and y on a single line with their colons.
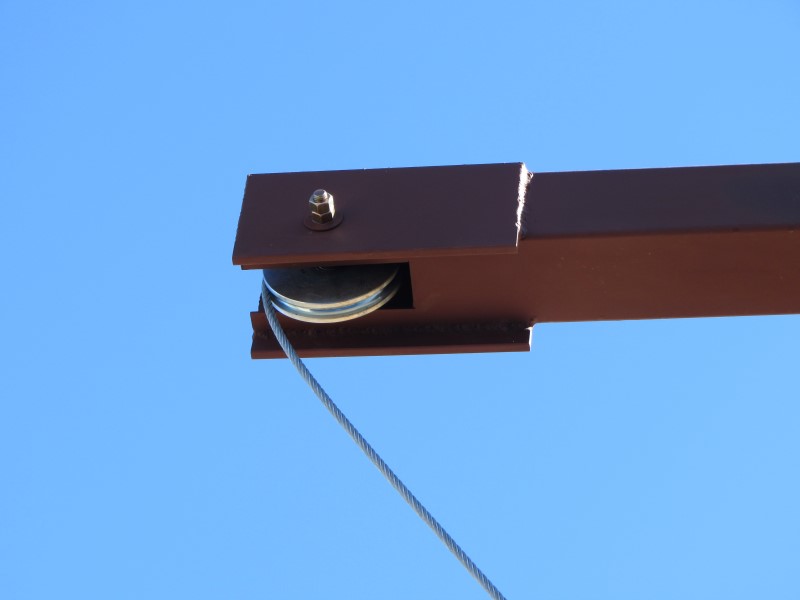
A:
x: 143, y: 455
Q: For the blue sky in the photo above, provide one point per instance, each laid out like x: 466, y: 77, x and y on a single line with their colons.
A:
x: 143, y: 455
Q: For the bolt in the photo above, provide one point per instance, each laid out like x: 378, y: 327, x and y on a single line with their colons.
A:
x: 322, y: 208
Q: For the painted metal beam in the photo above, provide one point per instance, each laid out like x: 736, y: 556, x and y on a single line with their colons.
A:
x: 492, y: 250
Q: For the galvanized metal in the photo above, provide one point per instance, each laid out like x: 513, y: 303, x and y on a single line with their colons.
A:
x: 331, y: 294
x: 602, y: 245
x: 322, y: 212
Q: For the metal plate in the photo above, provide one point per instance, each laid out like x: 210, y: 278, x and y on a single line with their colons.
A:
x: 389, y: 215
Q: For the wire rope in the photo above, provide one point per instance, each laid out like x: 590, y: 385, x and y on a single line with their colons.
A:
x: 362, y: 443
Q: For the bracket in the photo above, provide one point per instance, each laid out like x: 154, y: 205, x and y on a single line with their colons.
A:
x: 490, y: 249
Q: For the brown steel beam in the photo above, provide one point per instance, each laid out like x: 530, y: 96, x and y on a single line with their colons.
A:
x: 602, y: 245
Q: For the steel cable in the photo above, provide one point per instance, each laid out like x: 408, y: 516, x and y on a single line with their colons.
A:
x: 362, y: 443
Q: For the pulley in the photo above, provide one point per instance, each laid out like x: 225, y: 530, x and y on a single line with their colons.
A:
x: 331, y: 294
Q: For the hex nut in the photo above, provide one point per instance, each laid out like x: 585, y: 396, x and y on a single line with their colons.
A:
x: 322, y: 214
x: 322, y: 207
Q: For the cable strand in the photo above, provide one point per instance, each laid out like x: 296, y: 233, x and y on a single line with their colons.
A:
x: 362, y: 443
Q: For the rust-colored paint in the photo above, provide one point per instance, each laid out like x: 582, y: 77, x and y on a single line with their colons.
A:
x: 389, y: 215
x: 602, y: 245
